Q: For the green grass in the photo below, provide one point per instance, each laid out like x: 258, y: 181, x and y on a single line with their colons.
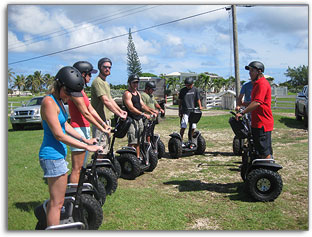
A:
x: 190, y: 193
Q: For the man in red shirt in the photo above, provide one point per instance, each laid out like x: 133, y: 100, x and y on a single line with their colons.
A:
x: 262, y: 121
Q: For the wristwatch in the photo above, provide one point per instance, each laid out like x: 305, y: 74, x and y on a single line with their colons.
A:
x: 142, y: 114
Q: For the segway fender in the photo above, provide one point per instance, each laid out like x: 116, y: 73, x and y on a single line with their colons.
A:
x: 127, y: 150
x: 266, y: 165
x: 176, y: 135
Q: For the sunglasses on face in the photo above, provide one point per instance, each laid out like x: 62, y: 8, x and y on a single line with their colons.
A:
x: 106, y: 67
x: 135, y: 82
x: 89, y: 74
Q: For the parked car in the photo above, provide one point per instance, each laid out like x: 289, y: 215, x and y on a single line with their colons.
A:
x: 29, y: 114
x: 302, y: 105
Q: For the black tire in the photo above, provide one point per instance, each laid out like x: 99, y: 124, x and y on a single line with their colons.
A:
x: 101, y: 192
x: 17, y: 127
x: 130, y: 166
x: 201, y: 145
x: 92, y: 213
x: 175, y: 147
x: 306, y: 119
x: 108, y: 177
x: 161, y: 149
x: 264, y: 185
x: 153, y: 160
x: 298, y: 117
x: 40, y: 226
x: 237, y: 146
x: 243, y: 168
x: 117, y: 168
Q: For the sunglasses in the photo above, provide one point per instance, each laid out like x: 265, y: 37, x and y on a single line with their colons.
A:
x: 106, y: 67
x: 135, y: 82
x: 89, y: 74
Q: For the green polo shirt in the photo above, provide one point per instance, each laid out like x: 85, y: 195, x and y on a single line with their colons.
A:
x: 99, y: 88
x: 149, y: 100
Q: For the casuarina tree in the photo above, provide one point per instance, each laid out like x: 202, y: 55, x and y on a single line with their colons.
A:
x: 133, y: 61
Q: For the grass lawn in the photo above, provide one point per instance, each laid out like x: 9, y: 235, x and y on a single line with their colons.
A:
x: 199, y: 192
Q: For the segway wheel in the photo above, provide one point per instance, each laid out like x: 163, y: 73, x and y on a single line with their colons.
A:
x: 201, y: 145
x: 117, y: 167
x: 264, y: 185
x: 153, y: 160
x: 175, y: 147
x: 101, y: 192
x: 130, y: 166
x: 91, y: 212
x: 161, y: 149
x: 108, y: 178
x: 237, y: 146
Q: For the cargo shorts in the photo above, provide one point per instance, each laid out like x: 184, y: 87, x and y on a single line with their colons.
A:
x: 105, y: 141
x: 135, y: 131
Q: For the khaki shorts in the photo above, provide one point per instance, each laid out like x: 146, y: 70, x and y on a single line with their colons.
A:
x: 135, y: 131
x: 105, y: 141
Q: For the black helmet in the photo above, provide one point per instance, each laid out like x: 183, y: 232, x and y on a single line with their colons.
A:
x: 103, y: 60
x: 150, y: 85
x: 71, y: 78
x: 255, y: 64
x: 188, y: 81
x: 122, y: 127
x: 133, y: 78
x: 84, y: 66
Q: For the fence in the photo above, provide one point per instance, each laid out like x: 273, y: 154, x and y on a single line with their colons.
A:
x: 278, y: 104
x: 12, y: 105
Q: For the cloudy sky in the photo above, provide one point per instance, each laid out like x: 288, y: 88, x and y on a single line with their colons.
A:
x: 197, y: 38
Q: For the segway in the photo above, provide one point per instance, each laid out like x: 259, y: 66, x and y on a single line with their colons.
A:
x: 157, y: 145
x: 131, y: 166
x: 195, y: 143
x: 261, y: 176
x: 80, y: 205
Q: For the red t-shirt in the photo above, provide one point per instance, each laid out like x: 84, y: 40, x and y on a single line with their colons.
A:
x: 262, y: 116
x: 77, y: 119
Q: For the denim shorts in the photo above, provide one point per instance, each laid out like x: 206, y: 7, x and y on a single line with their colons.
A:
x: 84, y: 132
x: 53, y: 168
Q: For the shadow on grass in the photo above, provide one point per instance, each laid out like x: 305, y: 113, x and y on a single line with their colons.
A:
x: 27, y: 128
x: 236, y: 190
x: 27, y: 206
x: 188, y: 154
x: 292, y: 123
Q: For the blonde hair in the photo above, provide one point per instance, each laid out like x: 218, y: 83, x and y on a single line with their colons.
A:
x: 55, y: 89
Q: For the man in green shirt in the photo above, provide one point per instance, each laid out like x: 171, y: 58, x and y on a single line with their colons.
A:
x: 149, y: 100
x: 102, y: 101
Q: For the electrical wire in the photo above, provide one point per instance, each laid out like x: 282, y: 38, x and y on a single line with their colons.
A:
x: 118, y: 36
x: 77, y: 26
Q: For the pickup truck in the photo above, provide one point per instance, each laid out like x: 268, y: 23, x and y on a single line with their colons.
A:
x: 29, y: 114
x: 302, y: 105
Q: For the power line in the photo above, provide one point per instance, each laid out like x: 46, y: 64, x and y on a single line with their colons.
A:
x: 118, y: 36
x: 77, y: 26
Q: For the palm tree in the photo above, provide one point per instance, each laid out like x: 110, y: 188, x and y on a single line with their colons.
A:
x: 20, y: 82
x: 35, y: 82
x: 10, y: 75
x: 171, y: 83
x: 48, y: 80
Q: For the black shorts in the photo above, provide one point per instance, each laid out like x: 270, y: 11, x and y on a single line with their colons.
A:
x: 262, y: 141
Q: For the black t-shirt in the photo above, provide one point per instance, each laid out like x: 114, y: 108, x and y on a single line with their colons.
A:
x: 189, y: 98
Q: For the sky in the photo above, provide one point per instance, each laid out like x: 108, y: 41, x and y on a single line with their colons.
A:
x: 168, y: 38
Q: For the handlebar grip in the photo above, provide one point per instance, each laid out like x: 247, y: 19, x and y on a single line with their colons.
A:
x: 232, y: 113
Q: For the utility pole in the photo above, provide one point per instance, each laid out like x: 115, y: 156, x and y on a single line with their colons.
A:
x: 235, y: 43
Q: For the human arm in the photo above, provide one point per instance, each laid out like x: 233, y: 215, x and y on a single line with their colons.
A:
x: 239, y: 101
x: 112, y: 106
x: 49, y: 113
x: 251, y: 107
x: 128, y: 103
x: 85, y: 111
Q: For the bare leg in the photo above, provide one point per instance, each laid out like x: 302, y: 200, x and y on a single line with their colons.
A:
x: 77, y: 162
x: 57, y: 188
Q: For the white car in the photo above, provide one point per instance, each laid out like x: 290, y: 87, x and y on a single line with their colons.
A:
x: 29, y: 114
